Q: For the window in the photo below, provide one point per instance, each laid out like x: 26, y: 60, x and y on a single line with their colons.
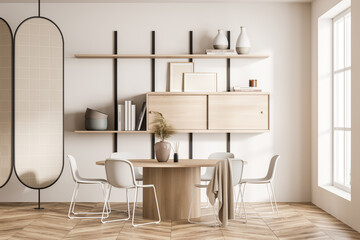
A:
x: 342, y: 101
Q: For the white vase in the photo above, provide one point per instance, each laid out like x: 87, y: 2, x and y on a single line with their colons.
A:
x: 220, y: 41
x: 243, y: 44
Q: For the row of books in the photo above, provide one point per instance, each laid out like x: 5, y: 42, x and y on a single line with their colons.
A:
x: 127, y: 116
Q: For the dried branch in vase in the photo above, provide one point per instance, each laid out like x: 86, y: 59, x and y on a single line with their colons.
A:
x: 161, y: 128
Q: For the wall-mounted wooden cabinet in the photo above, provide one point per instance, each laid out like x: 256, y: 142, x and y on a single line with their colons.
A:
x: 212, y: 112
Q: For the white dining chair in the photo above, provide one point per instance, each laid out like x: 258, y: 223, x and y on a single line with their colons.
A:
x: 128, y: 155
x: 237, y: 170
x: 120, y: 174
x: 267, y: 180
x: 80, y: 180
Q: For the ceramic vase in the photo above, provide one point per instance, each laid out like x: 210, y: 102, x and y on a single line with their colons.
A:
x: 220, y: 41
x: 243, y: 42
x: 162, y: 151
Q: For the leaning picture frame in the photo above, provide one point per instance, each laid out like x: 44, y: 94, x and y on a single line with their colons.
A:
x: 200, y: 82
x: 177, y: 70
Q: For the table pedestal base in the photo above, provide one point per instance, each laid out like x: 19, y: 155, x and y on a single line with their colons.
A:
x: 174, y: 188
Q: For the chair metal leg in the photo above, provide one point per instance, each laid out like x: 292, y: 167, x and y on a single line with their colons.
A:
x: 272, y: 202
x: 191, y: 203
x: 75, y: 196
x: 109, y: 191
x: 242, y: 203
x: 135, y: 201
x: 270, y: 197
x: 138, y: 182
x: 72, y: 200
x: 274, y: 197
x: 73, y: 203
x: 213, y: 224
x: 237, y: 198
x: 207, y: 199
x: 106, y: 206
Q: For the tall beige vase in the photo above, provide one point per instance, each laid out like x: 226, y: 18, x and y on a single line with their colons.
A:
x: 162, y: 151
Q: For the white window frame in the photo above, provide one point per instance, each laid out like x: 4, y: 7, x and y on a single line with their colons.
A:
x: 334, y: 72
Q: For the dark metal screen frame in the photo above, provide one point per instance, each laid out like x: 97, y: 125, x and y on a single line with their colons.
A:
x: 63, y: 104
x: 12, y: 101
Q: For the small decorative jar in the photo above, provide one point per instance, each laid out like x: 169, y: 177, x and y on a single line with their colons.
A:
x: 252, y: 83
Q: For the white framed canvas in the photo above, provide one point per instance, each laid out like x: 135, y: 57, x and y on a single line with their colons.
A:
x: 200, y: 82
x: 177, y: 70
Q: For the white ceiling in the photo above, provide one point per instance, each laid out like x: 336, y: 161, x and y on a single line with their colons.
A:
x: 150, y: 1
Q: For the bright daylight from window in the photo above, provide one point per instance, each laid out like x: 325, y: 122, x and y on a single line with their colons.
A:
x: 342, y: 101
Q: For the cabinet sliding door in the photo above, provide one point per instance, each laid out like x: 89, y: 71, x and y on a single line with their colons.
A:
x: 239, y: 112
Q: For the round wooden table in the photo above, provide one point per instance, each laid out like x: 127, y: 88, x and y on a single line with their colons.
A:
x: 174, y: 183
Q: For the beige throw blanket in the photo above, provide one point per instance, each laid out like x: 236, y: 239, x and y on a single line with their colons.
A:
x: 221, y: 187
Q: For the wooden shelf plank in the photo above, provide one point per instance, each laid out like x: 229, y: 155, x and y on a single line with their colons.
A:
x: 150, y: 56
x: 176, y: 131
x: 110, y: 131
x: 206, y: 93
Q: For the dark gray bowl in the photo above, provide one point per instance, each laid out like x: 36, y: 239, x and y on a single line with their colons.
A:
x: 96, y: 124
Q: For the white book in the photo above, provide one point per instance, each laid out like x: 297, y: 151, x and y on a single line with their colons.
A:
x: 133, y: 117
x: 127, y: 115
x: 121, y: 117
x: 141, y: 116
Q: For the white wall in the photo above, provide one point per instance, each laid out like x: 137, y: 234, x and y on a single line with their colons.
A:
x: 281, y: 30
x: 346, y: 211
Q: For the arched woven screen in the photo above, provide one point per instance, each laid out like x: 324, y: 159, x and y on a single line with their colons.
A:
x: 39, y: 104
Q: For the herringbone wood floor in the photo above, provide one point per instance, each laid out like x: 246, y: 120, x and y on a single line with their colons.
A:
x: 296, y: 221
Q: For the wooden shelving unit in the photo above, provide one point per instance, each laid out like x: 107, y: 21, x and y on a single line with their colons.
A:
x: 159, y: 56
x: 190, y: 56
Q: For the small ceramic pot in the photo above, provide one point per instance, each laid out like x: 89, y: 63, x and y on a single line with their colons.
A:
x: 162, y: 151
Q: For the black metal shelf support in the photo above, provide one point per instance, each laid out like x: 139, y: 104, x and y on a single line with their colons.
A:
x: 152, y: 88
x: 191, y: 48
x: 115, y: 69
x: 228, y: 88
